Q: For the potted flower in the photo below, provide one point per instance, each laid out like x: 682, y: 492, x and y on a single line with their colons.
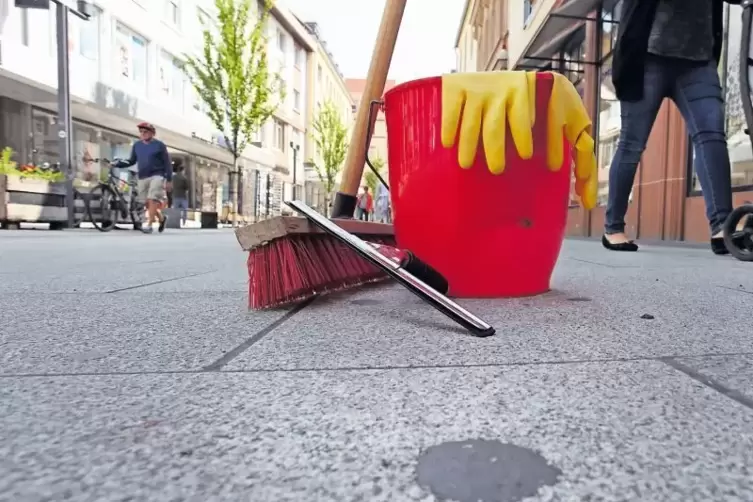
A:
x: 33, y: 193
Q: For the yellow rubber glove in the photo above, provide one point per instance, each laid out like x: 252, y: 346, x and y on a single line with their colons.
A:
x: 492, y: 99
x: 566, y: 112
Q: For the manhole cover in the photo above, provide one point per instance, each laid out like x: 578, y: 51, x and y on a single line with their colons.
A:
x: 483, y: 471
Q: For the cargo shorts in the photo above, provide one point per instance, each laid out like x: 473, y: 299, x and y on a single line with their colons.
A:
x: 152, y: 188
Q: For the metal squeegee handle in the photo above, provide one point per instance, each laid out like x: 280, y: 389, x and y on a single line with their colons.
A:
x: 437, y: 300
x: 374, y: 104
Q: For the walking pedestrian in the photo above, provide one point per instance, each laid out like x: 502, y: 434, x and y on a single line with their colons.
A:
x: 180, y: 190
x: 154, y: 172
x: 382, y: 204
x: 365, y: 204
x: 669, y: 49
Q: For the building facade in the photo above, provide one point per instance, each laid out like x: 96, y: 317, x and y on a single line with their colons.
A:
x: 326, y: 84
x: 575, y: 37
x: 290, y: 47
x: 125, y: 68
x: 378, y: 146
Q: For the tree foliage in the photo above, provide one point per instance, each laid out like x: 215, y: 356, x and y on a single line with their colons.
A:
x: 232, y: 75
x: 369, y: 178
x: 330, y: 135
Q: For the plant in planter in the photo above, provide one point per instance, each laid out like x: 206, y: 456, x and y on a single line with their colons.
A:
x: 9, y: 167
x: 32, y: 194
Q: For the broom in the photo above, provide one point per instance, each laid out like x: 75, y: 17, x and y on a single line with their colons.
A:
x: 290, y: 259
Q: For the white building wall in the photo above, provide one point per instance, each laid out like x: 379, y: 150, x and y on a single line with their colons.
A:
x: 288, y: 57
x: 121, y: 60
x: 466, y: 51
x: 524, y: 22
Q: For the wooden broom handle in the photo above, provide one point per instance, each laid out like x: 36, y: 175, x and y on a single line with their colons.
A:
x: 375, y: 81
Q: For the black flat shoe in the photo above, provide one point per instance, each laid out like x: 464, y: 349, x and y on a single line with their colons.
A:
x: 629, y: 246
x: 718, y: 247
x: 738, y: 238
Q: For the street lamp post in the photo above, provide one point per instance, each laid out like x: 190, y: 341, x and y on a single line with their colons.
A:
x: 295, y: 149
x: 65, y: 123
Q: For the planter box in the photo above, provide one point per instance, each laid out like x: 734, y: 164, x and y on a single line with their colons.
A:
x: 32, y: 201
x: 208, y: 219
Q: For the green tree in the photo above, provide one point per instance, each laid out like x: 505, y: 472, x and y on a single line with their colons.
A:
x: 369, y: 178
x: 330, y: 134
x: 232, y: 77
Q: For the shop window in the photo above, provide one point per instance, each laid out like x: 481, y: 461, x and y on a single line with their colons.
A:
x: 89, y: 35
x: 172, y: 13
x: 573, y: 57
x: 25, y: 27
x: 297, y: 100
x: 171, y: 77
x: 131, y: 57
x: 528, y: 10
x: 279, y: 135
x: 45, y: 142
x: 86, y: 149
x: 738, y: 143
x: 115, y: 146
x: 610, y: 20
x: 207, y: 185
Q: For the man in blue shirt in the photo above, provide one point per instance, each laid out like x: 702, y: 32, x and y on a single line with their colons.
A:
x: 154, y: 171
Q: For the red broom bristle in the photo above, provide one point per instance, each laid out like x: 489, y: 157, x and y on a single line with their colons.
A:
x: 288, y: 270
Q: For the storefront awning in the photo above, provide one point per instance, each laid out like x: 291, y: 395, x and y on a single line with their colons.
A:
x: 556, y: 30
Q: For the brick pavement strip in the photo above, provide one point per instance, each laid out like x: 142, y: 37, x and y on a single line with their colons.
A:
x: 631, y: 380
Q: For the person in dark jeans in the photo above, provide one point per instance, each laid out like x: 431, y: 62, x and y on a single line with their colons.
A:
x: 669, y: 49
x: 180, y: 190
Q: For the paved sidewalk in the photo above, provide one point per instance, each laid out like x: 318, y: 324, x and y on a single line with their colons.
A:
x: 131, y: 370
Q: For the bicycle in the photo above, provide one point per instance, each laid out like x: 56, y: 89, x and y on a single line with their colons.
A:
x: 114, y: 202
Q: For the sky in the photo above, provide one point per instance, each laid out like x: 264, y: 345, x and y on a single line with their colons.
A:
x: 425, y: 45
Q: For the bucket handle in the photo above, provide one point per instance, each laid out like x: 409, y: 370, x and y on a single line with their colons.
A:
x: 372, y: 120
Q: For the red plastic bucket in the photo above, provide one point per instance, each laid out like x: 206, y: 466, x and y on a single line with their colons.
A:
x: 490, y: 235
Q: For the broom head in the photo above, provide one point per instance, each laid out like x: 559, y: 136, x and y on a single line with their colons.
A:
x: 290, y: 259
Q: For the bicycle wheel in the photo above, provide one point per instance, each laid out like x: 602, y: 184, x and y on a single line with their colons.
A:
x: 103, y: 208
x: 740, y: 243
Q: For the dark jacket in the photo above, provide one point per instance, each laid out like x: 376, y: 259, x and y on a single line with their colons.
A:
x: 629, y: 58
x: 180, y: 186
